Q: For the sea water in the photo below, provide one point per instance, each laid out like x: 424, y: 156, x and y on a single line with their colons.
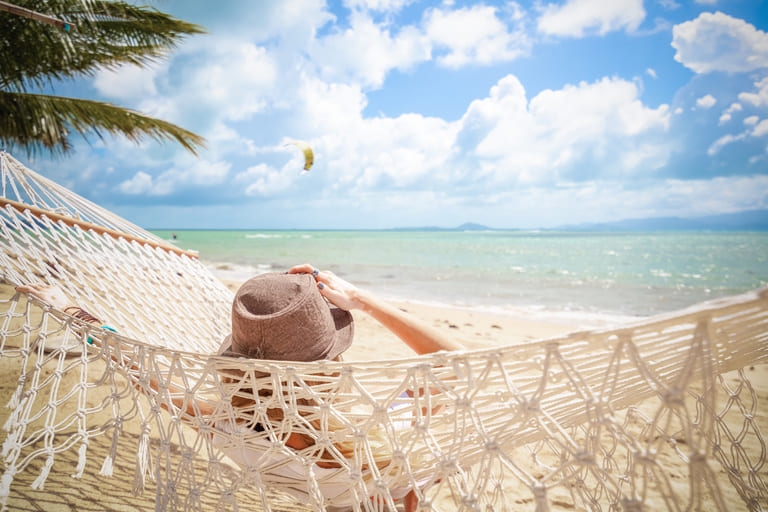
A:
x: 581, y: 274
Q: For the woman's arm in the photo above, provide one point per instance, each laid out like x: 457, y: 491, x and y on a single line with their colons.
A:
x: 420, y: 337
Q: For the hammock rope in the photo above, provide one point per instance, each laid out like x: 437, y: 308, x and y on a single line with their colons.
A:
x: 659, y: 413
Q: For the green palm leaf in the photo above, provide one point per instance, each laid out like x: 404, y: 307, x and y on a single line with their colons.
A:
x: 103, y: 35
x: 37, y: 121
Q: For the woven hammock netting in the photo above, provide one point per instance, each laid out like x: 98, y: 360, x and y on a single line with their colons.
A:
x: 665, y: 413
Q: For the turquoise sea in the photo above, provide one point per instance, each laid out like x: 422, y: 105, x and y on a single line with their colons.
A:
x: 590, y: 277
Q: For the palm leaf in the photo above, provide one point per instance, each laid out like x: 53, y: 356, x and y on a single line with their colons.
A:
x: 104, y: 35
x: 36, y: 121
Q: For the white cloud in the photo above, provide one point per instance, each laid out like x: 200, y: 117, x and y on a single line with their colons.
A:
x: 669, y: 4
x: 126, y: 82
x: 331, y: 107
x: 249, y: 95
x: 718, y: 42
x: 365, y: 52
x: 758, y: 98
x: 723, y: 141
x: 501, y: 139
x: 563, y: 132
x: 577, y: 18
x: 706, y: 2
x: 140, y: 184
x: 707, y: 101
x: 691, y: 198
x: 761, y: 129
x: 236, y: 79
x: 264, y: 180
x: 378, y: 5
x: 195, y: 173
x: 474, y: 35
x: 728, y: 113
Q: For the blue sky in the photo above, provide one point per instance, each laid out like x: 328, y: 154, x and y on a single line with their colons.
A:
x: 509, y: 114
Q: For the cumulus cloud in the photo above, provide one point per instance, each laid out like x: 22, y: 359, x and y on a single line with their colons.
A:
x: 474, y: 35
x: 707, y: 101
x: 759, y: 98
x: 755, y: 128
x: 197, y: 173
x: 718, y: 42
x: 577, y: 18
x: 247, y: 92
x: 264, y: 180
x: 504, y: 138
x: 139, y: 184
x: 236, y: 79
x: 760, y: 129
x: 366, y: 51
x: 727, y: 114
x: 564, y: 134
x: 126, y: 82
x: 365, y: 153
x: 227, y: 81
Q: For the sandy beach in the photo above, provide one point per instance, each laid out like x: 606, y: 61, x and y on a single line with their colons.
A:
x: 475, y: 329
x: 93, y: 492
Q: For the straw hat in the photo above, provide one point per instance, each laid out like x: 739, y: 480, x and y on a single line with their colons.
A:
x: 284, y: 317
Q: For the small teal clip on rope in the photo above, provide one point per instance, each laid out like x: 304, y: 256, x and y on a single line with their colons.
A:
x: 90, y: 340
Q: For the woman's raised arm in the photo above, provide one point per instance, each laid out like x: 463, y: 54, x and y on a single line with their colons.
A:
x: 422, y: 338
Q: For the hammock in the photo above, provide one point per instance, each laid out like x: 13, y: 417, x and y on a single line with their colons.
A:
x: 660, y: 413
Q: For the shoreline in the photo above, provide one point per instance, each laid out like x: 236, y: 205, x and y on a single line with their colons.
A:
x: 474, y: 328
x: 574, y: 318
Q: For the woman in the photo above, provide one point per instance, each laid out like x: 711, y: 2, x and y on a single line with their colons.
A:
x: 286, y: 317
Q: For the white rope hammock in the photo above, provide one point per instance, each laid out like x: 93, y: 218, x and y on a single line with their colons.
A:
x: 658, y: 414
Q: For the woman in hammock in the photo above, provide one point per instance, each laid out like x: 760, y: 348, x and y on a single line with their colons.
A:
x: 302, y: 315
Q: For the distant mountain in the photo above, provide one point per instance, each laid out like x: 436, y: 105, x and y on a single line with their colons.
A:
x: 471, y: 226
x: 467, y: 226
x: 749, y: 220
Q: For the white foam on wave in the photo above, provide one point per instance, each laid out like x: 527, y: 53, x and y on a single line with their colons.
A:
x: 263, y: 235
x: 578, y: 319
x: 236, y: 272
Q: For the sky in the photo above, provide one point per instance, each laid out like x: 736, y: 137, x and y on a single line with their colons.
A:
x: 509, y: 114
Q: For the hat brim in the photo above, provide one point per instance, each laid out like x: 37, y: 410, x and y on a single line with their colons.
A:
x: 225, y: 349
x: 342, y: 339
x: 345, y: 332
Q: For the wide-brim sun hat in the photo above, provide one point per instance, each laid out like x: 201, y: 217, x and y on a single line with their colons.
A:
x: 284, y: 317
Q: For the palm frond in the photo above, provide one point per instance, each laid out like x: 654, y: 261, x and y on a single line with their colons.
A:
x: 104, y: 34
x: 35, y: 122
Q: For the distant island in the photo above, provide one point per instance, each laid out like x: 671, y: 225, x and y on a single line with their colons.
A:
x: 467, y: 226
x: 749, y: 220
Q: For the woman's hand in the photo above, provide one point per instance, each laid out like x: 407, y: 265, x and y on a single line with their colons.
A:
x: 422, y: 338
x: 339, y: 292
x: 49, y: 293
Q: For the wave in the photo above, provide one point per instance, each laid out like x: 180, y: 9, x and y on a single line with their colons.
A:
x: 264, y: 235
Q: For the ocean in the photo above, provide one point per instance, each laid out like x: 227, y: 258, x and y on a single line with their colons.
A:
x: 586, y: 278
